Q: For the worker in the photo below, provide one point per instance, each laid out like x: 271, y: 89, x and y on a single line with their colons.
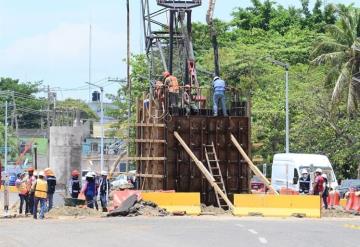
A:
x: 318, y: 183
x: 89, y: 189
x: 74, y: 185
x: 325, y: 193
x: 188, y: 100
x: 51, y: 181
x: 173, y: 88
x: 30, y: 180
x: 104, y: 189
x: 40, y: 188
x: 97, y: 183
x: 304, y: 182
x: 219, y: 94
x: 20, y: 184
x: 159, y: 93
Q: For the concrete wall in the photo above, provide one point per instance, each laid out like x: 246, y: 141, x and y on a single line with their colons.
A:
x: 65, y: 151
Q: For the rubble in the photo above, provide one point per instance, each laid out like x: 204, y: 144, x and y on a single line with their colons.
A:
x: 73, y: 211
x: 338, y: 212
x: 211, y: 210
x: 139, y: 208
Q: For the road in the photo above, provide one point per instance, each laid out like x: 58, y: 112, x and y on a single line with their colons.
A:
x: 180, y: 231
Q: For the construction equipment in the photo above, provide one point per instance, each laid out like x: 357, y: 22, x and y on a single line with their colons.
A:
x: 215, y: 171
x: 252, y: 166
x: 205, y: 172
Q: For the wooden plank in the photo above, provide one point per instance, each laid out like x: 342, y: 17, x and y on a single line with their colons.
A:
x: 145, y: 158
x: 148, y: 140
x: 203, y: 169
x: 148, y: 125
x: 150, y: 176
x: 251, y: 165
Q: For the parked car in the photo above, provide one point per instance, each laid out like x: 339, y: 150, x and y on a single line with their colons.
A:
x: 256, y: 183
x: 348, y: 184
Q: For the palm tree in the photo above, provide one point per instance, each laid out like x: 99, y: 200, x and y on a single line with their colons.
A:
x: 341, y: 50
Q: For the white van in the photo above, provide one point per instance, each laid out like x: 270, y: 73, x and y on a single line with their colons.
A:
x: 286, y: 169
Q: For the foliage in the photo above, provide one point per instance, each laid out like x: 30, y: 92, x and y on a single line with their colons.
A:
x: 341, y: 50
x: 76, y: 104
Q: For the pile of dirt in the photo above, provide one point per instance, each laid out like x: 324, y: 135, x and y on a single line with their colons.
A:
x: 73, y: 211
x: 211, y: 210
x: 146, y: 208
x: 336, y: 213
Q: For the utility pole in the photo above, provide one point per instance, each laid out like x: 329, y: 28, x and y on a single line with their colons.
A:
x: 90, y: 49
x: 14, y: 113
x: 48, y: 111
x: 128, y: 74
x: 286, y: 67
x: 6, y: 136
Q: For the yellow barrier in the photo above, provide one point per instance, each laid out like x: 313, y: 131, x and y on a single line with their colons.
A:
x: 12, y: 189
x: 175, y: 202
x: 277, y: 205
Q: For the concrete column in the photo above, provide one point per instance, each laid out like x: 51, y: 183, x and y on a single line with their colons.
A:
x: 65, y: 151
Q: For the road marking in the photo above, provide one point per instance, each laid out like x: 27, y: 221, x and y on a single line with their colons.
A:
x: 263, y: 240
x: 239, y: 225
x: 252, y: 231
x: 355, y: 227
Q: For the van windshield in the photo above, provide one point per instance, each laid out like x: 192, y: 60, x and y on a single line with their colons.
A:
x: 326, y: 170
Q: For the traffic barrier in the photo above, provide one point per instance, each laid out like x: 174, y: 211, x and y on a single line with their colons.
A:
x: 175, y: 202
x: 350, y: 201
x: 12, y: 189
x: 343, y: 203
x: 288, y: 191
x: 356, y: 205
x: 277, y: 205
x: 333, y: 199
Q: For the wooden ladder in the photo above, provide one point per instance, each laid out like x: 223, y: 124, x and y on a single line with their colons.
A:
x: 215, y: 171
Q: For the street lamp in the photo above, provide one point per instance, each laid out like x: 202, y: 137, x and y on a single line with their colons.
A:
x: 35, y: 155
x: 286, y: 67
x: 101, y: 124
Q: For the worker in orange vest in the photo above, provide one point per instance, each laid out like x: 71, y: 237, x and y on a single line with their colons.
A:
x: 30, y: 180
x: 40, y: 188
x: 20, y: 184
x: 173, y: 88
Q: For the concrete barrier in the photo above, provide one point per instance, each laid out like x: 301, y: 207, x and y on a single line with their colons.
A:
x: 175, y: 202
x: 277, y: 205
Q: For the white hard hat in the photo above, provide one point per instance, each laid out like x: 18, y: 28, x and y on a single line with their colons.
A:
x: 304, y: 171
x: 104, y: 173
x: 89, y: 175
x: 318, y: 170
x: 41, y: 174
x: 215, y: 78
x: 93, y: 174
x: 324, y: 175
x: 36, y: 173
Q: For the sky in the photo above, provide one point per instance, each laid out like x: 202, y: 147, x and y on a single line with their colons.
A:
x: 48, y: 40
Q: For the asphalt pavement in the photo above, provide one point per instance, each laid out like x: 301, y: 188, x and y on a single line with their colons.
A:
x: 180, y: 231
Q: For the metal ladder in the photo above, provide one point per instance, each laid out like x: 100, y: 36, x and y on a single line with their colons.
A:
x: 215, y: 171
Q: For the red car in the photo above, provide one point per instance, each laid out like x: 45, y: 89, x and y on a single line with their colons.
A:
x: 256, y: 183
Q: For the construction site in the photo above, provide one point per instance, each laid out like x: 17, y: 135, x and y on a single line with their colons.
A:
x: 186, y: 152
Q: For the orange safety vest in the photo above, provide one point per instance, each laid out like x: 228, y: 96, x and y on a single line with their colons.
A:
x: 173, y: 84
x: 41, y: 188
x: 22, y: 188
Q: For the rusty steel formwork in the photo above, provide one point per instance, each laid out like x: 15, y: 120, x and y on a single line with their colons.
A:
x: 197, y: 131
x: 164, y: 165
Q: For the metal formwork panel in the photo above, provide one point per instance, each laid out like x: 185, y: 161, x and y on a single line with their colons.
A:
x: 199, y: 130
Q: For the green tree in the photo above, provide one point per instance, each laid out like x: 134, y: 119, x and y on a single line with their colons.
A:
x: 341, y: 50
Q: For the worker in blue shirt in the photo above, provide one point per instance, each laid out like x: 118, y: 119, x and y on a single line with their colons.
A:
x: 219, y: 95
